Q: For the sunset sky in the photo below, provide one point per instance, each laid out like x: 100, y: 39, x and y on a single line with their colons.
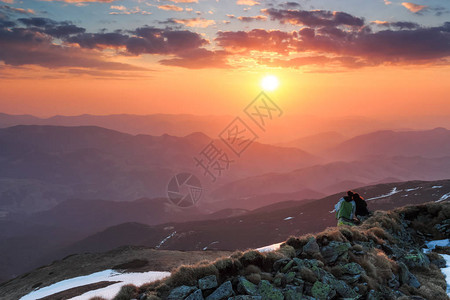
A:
x: 332, y: 57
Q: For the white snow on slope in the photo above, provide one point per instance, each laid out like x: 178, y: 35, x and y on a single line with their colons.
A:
x: 165, y: 240
x: 269, y: 248
x: 288, y: 218
x: 446, y: 270
x: 394, y: 191
x: 413, y: 189
x: 444, y: 197
x: 437, y: 187
x: 108, y: 292
x: 432, y: 244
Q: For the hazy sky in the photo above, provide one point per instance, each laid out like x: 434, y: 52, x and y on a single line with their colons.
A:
x: 332, y: 57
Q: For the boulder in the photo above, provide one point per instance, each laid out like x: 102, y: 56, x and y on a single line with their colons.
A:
x: 269, y: 292
x: 334, y: 250
x: 245, y: 297
x: 416, y: 258
x: 311, y: 247
x: 322, y: 291
x: 292, y: 292
x: 208, y: 282
x: 280, y: 263
x: 181, y: 292
x: 246, y: 287
x: 197, y: 295
x: 406, y: 277
x: 222, y: 292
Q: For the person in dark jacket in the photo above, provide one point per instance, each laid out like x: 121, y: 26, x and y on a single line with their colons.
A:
x: 361, y: 210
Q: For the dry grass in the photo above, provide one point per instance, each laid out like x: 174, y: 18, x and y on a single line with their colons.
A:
x: 127, y: 292
x: 189, y: 274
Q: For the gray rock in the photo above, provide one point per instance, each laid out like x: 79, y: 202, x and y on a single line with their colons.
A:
x: 415, y: 259
x: 288, y: 266
x: 208, y: 282
x: 406, y: 277
x: 245, y: 297
x: 341, y: 287
x: 246, y: 287
x: 269, y: 292
x: 440, y: 262
x: 181, y: 292
x: 197, y: 295
x: 222, y: 292
x: 334, y: 250
x: 311, y: 247
x: 322, y: 291
x: 292, y: 292
x: 280, y: 263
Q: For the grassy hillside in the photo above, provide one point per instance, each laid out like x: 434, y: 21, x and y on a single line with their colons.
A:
x: 381, y: 259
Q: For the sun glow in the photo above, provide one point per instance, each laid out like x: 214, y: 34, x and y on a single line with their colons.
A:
x: 270, y: 83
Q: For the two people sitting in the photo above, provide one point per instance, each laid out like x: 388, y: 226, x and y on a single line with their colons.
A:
x: 351, y: 209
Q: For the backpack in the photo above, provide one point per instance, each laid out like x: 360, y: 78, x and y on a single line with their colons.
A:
x: 345, y: 210
x: 338, y: 206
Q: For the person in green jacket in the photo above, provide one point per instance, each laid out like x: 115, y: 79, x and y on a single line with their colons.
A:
x: 345, y: 210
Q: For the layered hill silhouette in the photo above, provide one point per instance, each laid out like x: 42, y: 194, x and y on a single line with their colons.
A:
x: 428, y: 144
x: 45, y: 165
x: 333, y: 177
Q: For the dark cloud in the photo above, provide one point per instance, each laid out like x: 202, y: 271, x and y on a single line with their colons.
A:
x: 314, y: 18
x: 252, y: 18
x: 23, y: 46
x: 145, y: 40
x: 414, y: 46
x: 6, y: 23
x: 51, y: 27
x: 400, y: 25
x: 35, y: 44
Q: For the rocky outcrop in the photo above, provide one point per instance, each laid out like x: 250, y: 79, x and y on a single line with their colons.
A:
x: 381, y: 259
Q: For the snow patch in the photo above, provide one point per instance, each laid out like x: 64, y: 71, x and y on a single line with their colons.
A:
x: 165, y: 240
x: 437, y: 187
x: 392, y: 192
x: 432, y: 244
x: 413, y: 189
x: 446, y: 270
x: 269, y: 248
x: 444, y: 197
x: 206, y: 248
x: 288, y: 218
x: 108, y: 292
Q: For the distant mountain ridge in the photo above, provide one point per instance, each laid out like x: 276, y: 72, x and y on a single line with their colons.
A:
x: 43, y: 165
x: 428, y: 144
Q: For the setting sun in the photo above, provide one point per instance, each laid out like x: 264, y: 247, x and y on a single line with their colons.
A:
x: 270, y: 83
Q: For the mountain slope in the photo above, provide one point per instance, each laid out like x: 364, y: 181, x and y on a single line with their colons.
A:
x: 428, y: 143
x: 263, y: 226
x: 333, y: 177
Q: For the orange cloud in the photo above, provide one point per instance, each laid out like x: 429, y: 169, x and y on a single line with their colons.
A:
x: 170, y: 7
x: 184, y: 1
x: 415, y: 8
x: 81, y: 1
x: 247, y: 2
x: 195, y: 22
